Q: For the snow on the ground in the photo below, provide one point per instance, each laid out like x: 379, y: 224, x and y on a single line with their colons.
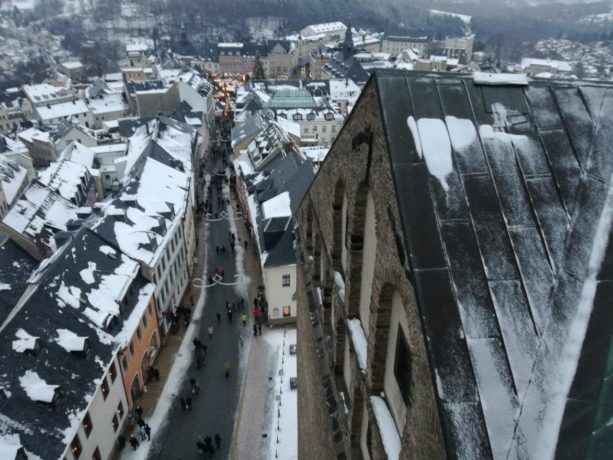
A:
x: 284, y: 423
x: 242, y: 286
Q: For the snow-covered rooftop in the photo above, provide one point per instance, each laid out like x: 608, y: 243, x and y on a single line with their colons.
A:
x: 63, y: 110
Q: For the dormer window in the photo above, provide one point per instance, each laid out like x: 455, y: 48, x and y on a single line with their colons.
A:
x: 297, y: 117
x: 329, y: 116
x: 311, y: 116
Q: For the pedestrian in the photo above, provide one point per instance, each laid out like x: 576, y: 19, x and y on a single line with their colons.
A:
x: 259, y: 328
x: 148, y: 432
x: 188, y: 403
x: 218, y: 315
x: 134, y: 442
x: 229, y: 313
x: 227, y: 369
x: 244, y: 319
x: 246, y: 244
x: 217, y: 441
x: 156, y: 374
x: 195, y: 387
x: 142, y: 435
x: 210, y: 330
x: 200, y: 446
x: 139, y: 411
x: 208, y: 442
x: 255, y: 329
x: 140, y: 422
x: 183, y: 403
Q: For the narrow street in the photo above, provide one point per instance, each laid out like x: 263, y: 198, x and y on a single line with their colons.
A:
x: 213, y: 409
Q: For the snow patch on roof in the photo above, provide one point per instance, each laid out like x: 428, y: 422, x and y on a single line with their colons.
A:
x: 70, y: 341
x: 24, y: 341
x: 486, y: 78
x: 434, y: 145
x: 278, y: 206
x: 87, y: 274
x: 36, y: 388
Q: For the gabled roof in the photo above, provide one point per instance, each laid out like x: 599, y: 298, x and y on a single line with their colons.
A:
x: 287, y: 176
x: 40, y: 213
x: 506, y: 203
x: 156, y: 191
x: 75, y: 295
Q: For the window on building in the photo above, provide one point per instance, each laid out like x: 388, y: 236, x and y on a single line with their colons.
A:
x: 87, y: 424
x: 138, y: 333
x: 104, y: 387
x: 120, y: 410
x: 124, y: 362
x: 113, y: 371
x: 115, y: 422
x: 75, y: 446
x: 144, y: 320
x: 131, y: 348
x: 286, y: 280
x: 402, y: 366
x: 96, y: 455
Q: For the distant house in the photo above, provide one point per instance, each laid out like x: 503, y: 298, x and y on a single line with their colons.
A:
x: 268, y: 193
x: 324, y: 31
x: 534, y: 66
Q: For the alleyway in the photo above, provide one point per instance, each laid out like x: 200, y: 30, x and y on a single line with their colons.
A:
x: 213, y: 409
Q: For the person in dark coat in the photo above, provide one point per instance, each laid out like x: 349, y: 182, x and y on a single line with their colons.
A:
x: 188, y: 403
x: 183, y: 403
x: 148, y: 432
x: 134, y: 442
x: 217, y: 441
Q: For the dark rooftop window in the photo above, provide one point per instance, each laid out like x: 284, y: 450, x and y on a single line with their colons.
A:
x: 311, y: 116
x: 120, y: 410
x: 96, y: 455
x: 87, y: 424
x: 115, y: 422
x: 75, y: 446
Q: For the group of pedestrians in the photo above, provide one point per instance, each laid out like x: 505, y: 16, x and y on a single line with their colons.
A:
x: 205, y: 445
x: 143, y: 431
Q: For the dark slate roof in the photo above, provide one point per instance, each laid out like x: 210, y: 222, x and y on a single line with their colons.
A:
x: 350, y: 68
x: 16, y: 266
x: 286, y: 173
x: 42, y: 427
x: 506, y: 225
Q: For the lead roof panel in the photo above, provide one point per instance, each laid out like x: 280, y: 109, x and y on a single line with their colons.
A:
x: 509, y: 249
